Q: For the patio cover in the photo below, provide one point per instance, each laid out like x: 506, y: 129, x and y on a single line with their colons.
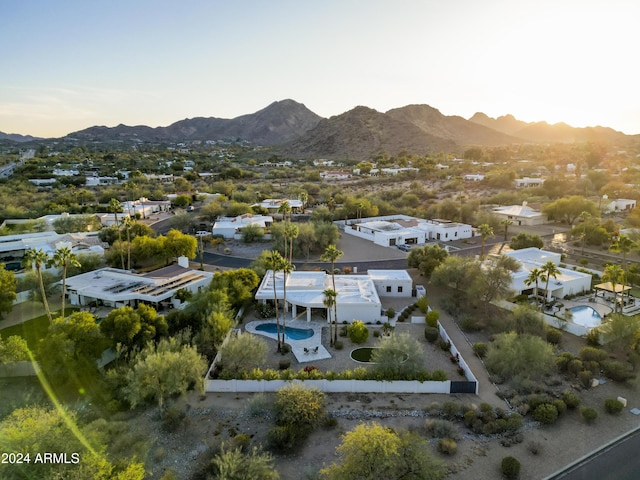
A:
x: 607, y: 286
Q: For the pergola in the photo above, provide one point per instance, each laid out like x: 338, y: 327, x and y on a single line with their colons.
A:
x: 616, y: 290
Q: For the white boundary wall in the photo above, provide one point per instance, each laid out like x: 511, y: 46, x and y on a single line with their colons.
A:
x: 330, y: 386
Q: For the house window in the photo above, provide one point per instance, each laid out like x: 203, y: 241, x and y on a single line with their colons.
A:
x: 388, y: 289
x: 400, y: 289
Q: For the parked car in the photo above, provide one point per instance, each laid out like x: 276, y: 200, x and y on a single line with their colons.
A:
x: 404, y: 247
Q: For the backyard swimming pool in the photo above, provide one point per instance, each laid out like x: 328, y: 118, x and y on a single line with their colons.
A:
x: 586, y: 316
x: 291, y: 333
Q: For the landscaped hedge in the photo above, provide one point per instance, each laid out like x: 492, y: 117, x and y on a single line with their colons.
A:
x: 310, y: 373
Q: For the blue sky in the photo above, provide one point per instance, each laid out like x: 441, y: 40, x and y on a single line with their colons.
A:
x: 71, y: 64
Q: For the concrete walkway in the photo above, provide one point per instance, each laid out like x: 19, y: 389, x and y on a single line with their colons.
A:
x: 487, y: 391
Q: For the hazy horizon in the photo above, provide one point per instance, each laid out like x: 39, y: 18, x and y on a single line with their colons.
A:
x: 73, y: 64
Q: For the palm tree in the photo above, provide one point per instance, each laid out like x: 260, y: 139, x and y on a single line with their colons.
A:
x: 615, y: 275
x: 286, y: 268
x: 284, y: 209
x: 505, y: 223
x: 535, y: 275
x: 623, y: 245
x: 274, y: 263
x: 331, y: 254
x: 127, y: 224
x: 38, y: 259
x: 550, y: 270
x: 63, y: 257
x: 115, y: 206
x: 486, y: 231
x: 304, y: 198
x: 330, y: 302
x: 291, y: 231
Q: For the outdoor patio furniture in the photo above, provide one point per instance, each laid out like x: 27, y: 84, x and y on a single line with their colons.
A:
x: 315, y: 350
x: 306, y: 350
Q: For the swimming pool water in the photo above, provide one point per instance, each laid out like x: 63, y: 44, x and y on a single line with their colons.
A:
x: 291, y: 333
x: 586, y: 316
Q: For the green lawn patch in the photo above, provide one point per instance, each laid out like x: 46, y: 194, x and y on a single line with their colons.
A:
x: 362, y: 354
x: 33, y: 330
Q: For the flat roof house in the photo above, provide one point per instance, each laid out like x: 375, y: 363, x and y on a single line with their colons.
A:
x: 116, y: 288
x: 394, y: 230
x: 232, y: 227
x: 568, y: 282
x: 358, y: 295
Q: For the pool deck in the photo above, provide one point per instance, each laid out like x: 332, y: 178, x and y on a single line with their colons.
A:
x: 298, y: 346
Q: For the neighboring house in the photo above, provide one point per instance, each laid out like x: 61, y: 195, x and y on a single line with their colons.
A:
x: 335, y: 175
x: 97, y: 181
x: 394, y: 230
x: 568, y: 282
x: 117, y: 288
x: 164, y: 178
x: 618, y: 205
x: 43, y: 182
x: 7, y: 170
x: 272, y: 205
x: 521, y: 214
x: 358, y: 295
x: 527, y: 182
x: 13, y: 247
x: 232, y: 227
x: 145, y: 207
x: 474, y: 177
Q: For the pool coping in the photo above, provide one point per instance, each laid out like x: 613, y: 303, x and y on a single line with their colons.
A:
x: 297, y: 346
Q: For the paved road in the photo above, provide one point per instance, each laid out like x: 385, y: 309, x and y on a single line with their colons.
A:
x: 619, y: 461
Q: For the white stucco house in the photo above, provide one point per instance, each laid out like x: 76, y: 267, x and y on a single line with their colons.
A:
x: 521, y: 214
x: 528, y: 182
x: 358, y: 295
x: 116, y: 288
x: 568, y: 282
x: 393, y: 230
x: 619, y: 205
x: 231, y: 227
x: 272, y: 205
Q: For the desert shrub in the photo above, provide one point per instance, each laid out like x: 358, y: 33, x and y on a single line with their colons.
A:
x: 376, y: 333
x: 592, y: 354
x: 560, y: 406
x: 469, y: 323
x: 258, y: 405
x: 512, y: 355
x: 265, y: 310
x: 613, y: 406
x: 432, y: 318
x: 281, y: 438
x: 343, y: 331
x: 330, y: 422
x: 439, y: 376
x: 514, y: 422
x: 570, y: 399
x: 585, y: 377
x: 439, y: 428
x: 546, y: 413
x: 431, y: 334
x: 554, y: 336
x: 445, y: 345
x: 241, y: 442
x: 575, y: 366
x: 358, y: 332
x: 284, y: 364
x: 469, y: 417
x: 617, y: 371
x: 510, y: 467
x: 338, y: 345
x: 172, y: 419
x: 286, y: 348
x: 589, y: 414
x: 535, y: 400
x: 562, y: 361
x: 448, y: 446
x: 593, y: 337
x: 480, y: 349
x: 534, y: 447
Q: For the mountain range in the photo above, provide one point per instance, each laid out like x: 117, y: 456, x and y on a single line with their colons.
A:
x: 290, y: 128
